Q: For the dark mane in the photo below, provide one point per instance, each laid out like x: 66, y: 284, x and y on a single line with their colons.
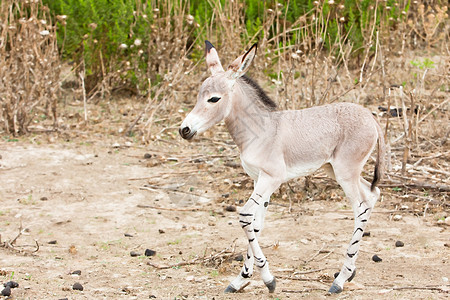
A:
x: 262, y: 96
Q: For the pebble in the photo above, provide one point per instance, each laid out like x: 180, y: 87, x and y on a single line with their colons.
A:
x: 52, y: 242
x: 230, y: 208
x: 399, y: 244
x: 239, y: 257
x: 128, y: 235
x: 77, y: 286
x: 367, y: 233
x: 149, y: 252
x: 134, y: 254
x: 226, y: 195
x: 397, y: 218
x: 161, y: 231
x: 11, y: 284
x: 376, y: 258
x: 44, y: 198
x: 76, y: 272
x: 6, y: 291
x: 147, y: 155
x: 116, y: 145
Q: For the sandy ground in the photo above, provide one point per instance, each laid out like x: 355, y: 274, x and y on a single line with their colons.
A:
x: 86, y: 197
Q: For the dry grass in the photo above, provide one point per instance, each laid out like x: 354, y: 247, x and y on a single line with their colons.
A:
x: 29, y: 65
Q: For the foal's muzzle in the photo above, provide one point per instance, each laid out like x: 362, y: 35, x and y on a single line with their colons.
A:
x: 186, y: 133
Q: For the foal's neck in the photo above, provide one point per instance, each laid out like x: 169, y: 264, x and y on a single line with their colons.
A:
x: 249, y: 118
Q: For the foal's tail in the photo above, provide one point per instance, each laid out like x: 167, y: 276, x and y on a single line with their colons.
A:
x: 381, y: 157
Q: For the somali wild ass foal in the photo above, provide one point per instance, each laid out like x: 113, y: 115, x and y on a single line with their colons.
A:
x: 277, y: 146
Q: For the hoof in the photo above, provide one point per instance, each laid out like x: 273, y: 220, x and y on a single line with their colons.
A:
x: 335, y: 289
x: 271, y: 285
x: 230, y: 289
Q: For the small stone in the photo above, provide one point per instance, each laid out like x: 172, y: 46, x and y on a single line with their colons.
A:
x: 128, y: 235
x: 64, y: 299
x: 397, y: 217
x: 77, y: 286
x: 230, y: 208
x: 147, y: 155
x: 44, y: 198
x: 367, y: 233
x: 239, y: 257
x: 161, y: 231
x: 6, y: 291
x: 149, y: 252
x: 134, y: 254
x: 1, y: 156
x: 226, y: 195
x: 376, y: 258
x: 76, y: 272
x: 399, y: 244
x: 53, y: 242
x: 11, y: 284
x: 116, y: 145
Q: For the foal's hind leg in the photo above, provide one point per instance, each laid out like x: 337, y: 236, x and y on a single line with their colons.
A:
x: 362, y: 201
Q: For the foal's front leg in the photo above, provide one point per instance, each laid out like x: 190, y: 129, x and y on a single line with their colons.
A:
x: 251, y: 218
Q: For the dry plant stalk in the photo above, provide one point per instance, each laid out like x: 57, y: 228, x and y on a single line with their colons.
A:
x: 29, y: 65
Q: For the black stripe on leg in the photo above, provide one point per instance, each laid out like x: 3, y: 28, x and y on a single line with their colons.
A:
x: 251, y: 240
x: 363, y: 212
x: 364, y: 220
x: 246, y: 215
x: 351, y: 255
x: 256, y: 230
x: 258, y: 195
x: 248, y: 256
x: 349, y: 269
x: 258, y: 259
x: 357, y: 241
x: 263, y: 264
x: 254, y: 201
x: 359, y: 228
x: 244, y: 224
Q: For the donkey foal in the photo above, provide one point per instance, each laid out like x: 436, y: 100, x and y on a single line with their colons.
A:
x: 277, y: 146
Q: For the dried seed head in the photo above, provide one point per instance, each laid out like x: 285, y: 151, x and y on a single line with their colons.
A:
x: 92, y: 26
x: 341, y: 6
x: 316, y: 3
x: 123, y: 46
x: 342, y: 19
x: 43, y: 22
x: 44, y: 32
x: 137, y: 42
x: 269, y: 10
x: 331, y: 2
x: 144, y: 16
x: 404, y: 13
x: 388, y: 7
x: 156, y: 10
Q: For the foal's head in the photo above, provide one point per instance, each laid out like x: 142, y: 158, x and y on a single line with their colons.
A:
x: 214, y: 98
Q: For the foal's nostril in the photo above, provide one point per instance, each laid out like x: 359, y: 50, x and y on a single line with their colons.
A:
x: 184, y: 132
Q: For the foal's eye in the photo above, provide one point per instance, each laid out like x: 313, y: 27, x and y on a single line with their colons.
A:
x: 214, y: 99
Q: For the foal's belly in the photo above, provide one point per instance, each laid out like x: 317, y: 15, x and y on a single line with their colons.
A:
x: 303, y: 169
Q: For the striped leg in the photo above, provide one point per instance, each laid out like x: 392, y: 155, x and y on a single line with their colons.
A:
x: 363, y: 201
x: 251, y: 219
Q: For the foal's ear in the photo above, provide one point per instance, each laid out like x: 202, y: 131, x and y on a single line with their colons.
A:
x: 240, y: 66
x: 212, y: 59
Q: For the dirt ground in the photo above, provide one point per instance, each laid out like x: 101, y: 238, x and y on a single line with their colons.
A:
x: 88, y: 204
